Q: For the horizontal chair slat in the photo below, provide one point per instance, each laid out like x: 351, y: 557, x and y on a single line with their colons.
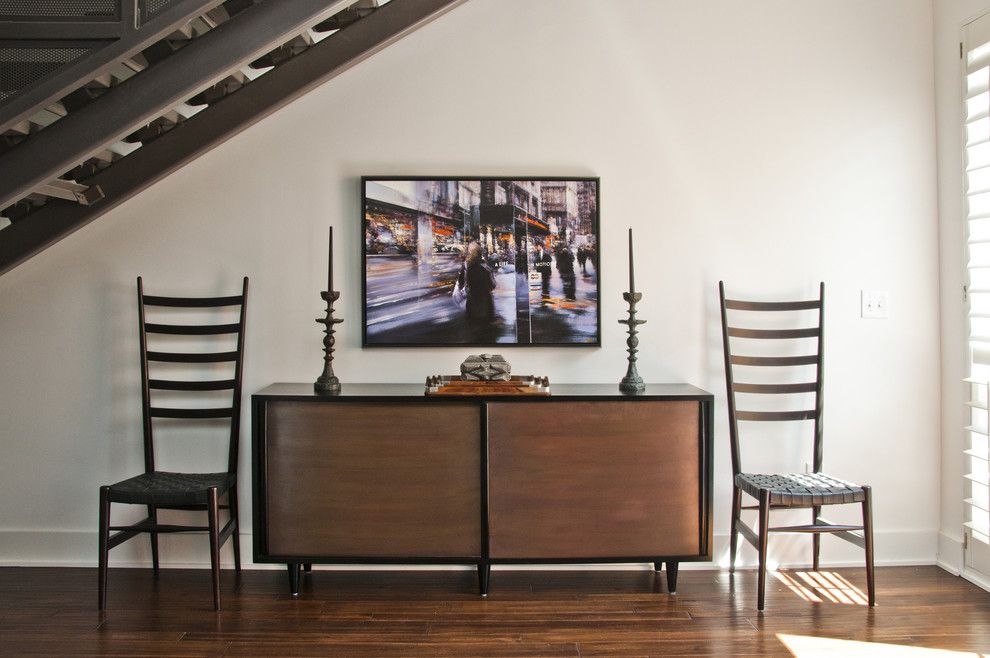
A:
x: 159, y: 527
x: 192, y: 302
x: 191, y: 329
x: 808, y: 414
x: 166, y: 412
x: 809, y: 387
x: 808, y: 360
x: 740, y: 305
x: 176, y: 385
x: 739, y: 332
x: 188, y: 507
x: 185, y: 357
x: 816, y: 528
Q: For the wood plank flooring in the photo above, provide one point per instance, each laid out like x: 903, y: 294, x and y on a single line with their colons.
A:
x: 922, y: 612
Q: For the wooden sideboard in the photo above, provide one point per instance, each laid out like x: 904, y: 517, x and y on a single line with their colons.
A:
x: 382, y: 474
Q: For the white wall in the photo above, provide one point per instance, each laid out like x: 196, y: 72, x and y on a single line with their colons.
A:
x: 770, y: 143
x: 950, y: 17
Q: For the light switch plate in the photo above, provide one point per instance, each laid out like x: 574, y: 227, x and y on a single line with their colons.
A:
x: 875, y: 304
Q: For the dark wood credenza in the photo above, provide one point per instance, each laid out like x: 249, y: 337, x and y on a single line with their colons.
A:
x: 383, y: 474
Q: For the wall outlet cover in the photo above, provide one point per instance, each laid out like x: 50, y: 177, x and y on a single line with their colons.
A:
x: 874, y: 304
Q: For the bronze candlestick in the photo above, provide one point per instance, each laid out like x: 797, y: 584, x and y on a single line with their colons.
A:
x: 632, y: 382
x: 327, y: 383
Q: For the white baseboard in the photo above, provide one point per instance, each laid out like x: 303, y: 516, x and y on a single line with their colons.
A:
x: 950, y: 554
x: 952, y: 558
x: 976, y: 578
x: 69, y: 548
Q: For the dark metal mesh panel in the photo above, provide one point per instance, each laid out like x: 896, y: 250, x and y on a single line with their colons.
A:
x: 151, y: 7
x: 22, y: 67
x: 59, y: 9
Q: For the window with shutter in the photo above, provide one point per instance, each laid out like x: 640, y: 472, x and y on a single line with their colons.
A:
x: 976, y: 58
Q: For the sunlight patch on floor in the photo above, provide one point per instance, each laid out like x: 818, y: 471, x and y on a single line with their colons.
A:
x: 822, y: 587
x: 804, y: 646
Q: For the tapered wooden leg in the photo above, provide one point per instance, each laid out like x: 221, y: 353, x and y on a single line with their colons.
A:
x: 235, y: 536
x: 868, y: 540
x: 672, y: 567
x: 658, y: 566
x: 153, y: 515
x: 484, y: 572
x: 104, y: 551
x: 816, y: 539
x: 293, y: 578
x: 307, y: 567
x: 213, y: 514
x: 733, y: 532
x: 764, y: 534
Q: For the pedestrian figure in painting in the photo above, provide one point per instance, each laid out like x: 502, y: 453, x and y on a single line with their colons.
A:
x: 565, y: 266
x: 582, y: 257
x: 543, y: 261
x: 477, y: 277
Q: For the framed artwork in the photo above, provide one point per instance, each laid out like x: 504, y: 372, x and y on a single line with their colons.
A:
x: 480, y: 261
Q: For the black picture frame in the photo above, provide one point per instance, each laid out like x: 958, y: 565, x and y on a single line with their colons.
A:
x: 416, y: 238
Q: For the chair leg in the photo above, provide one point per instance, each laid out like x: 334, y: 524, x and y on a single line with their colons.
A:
x: 733, y: 533
x: 235, y: 536
x: 104, y: 550
x: 816, y: 539
x: 153, y: 515
x: 868, y: 541
x: 764, y: 534
x: 213, y: 512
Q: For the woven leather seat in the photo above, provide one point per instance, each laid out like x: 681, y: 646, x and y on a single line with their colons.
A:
x: 779, y: 380
x: 801, y: 489
x: 163, y: 488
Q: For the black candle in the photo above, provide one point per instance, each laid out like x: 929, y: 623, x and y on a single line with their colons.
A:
x: 632, y: 279
x: 330, y: 264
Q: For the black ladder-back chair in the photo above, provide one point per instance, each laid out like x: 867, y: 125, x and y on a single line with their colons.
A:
x: 792, y: 490
x: 182, y: 491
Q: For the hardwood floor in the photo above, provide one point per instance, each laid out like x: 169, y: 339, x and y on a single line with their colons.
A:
x: 52, y: 612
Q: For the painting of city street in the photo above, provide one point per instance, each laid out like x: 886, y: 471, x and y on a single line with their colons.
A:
x: 480, y: 261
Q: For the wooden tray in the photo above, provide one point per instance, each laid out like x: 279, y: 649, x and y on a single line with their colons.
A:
x: 517, y: 385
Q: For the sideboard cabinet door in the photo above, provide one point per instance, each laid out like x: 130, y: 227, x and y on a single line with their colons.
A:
x: 373, y: 479
x: 594, y: 479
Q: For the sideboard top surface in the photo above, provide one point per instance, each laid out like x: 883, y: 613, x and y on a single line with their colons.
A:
x: 298, y: 391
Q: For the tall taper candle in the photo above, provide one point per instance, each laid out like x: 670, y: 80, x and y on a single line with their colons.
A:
x: 632, y: 280
x: 330, y: 263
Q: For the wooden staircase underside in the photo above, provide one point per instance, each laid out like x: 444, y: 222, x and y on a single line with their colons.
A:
x: 59, y: 177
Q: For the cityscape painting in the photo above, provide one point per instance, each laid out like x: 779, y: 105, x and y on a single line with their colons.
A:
x: 480, y: 261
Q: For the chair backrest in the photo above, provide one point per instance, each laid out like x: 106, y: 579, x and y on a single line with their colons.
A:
x: 229, y: 360
x: 779, y: 365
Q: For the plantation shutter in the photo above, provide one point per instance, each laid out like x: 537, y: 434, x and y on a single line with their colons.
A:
x: 977, y: 141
